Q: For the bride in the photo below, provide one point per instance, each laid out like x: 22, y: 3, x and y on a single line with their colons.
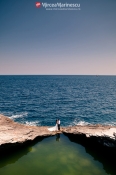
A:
x: 55, y: 128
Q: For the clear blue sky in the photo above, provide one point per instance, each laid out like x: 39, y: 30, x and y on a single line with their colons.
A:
x: 37, y: 41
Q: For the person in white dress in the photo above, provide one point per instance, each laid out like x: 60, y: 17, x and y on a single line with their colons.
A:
x: 55, y: 128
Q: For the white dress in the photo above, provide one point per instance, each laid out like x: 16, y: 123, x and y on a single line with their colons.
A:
x: 55, y: 128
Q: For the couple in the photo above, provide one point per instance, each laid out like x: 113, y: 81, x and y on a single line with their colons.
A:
x: 56, y: 127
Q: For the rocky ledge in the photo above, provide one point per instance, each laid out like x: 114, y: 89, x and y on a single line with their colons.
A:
x: 104, y: 135
x: 12, y: 133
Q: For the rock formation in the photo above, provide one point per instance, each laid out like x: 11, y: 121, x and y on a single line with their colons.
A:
x: 93, y: 130
x: 12, y: 133
x: 105, y: 135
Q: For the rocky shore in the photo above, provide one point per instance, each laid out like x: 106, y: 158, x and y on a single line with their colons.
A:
x: 13, y: 134
x: 104, y: 135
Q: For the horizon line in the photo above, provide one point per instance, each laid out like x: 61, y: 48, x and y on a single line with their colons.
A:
x: 57, y: 75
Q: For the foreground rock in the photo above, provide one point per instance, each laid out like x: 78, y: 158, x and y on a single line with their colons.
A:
x: 14, y: 133
x: 98, y: 141
x: 93, y: 130
x: 105, y: 135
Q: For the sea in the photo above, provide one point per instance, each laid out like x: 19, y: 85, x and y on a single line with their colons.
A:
x: 74, y: 99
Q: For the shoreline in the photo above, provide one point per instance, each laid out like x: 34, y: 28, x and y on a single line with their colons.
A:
x: 13, y: 134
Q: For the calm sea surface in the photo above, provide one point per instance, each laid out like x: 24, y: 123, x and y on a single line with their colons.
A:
x: 54, y: 156
x: 40, y: 100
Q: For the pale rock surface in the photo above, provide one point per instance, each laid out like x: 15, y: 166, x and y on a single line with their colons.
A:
x: 93, y: 130
x: 12, y: 132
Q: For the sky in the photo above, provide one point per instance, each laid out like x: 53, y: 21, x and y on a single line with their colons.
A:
x: 58, y: 42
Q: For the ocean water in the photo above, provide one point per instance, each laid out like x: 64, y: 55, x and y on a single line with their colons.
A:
x: 41, y: 99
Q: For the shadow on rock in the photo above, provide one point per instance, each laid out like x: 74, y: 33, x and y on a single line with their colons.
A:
x: 12, y: 153
x: 105, y: 155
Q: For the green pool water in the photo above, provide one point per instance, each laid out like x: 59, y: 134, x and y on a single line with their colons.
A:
x: 55, y: 155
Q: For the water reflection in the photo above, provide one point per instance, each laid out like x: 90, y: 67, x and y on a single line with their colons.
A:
x: 58, y: 137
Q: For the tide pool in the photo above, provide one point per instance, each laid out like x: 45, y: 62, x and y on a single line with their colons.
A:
x: 53, y: 155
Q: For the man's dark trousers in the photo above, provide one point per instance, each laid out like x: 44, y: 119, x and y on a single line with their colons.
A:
x: 59, y: 127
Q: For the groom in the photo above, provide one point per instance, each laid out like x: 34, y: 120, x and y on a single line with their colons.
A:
x: 58, y: 124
